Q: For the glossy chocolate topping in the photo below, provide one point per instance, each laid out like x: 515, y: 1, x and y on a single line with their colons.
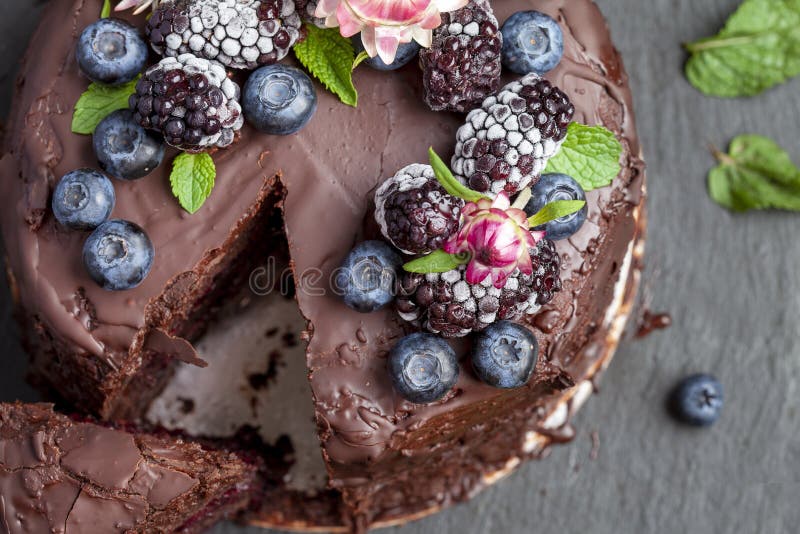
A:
x: 328, y: 169
x: 62, y: 476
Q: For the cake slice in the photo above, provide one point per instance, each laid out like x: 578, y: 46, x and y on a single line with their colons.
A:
x: 63, y: 475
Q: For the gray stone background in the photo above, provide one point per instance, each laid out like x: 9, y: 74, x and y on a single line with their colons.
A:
x: 731, y: 283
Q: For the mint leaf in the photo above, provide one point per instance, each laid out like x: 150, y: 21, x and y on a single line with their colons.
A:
x: 437, y: 261
x: 590, y: 154
x: 97, y: 102
x: 756, y: 173
x: 330, y: 58
x: 106, y: 11
x: 445, y: 177
x: 192, y: 179
x: 555, y: 210
x: 758, y: 48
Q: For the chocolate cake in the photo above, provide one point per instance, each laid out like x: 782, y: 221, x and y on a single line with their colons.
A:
x: 63, y: 475
x: 140, y: 354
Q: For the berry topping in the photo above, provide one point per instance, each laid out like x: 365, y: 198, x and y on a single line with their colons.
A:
x: 532, y: 42
x: 240, y: 34
x: 190, y: 101
x: 553, y: 187
x: 423, y: 367
x: 118, y: 255
x: 307, y: 10
x: 462, y: 66
x: 505, y: 354
x: 697, y: 400
x: 124, y: 148
x: 279, y: 100
x: 83, y: 199
x: 406, y: 53
x: 507, y: 142
x: 446, y: 304
x: 414, y: 211
x: 366, y: 279
x: 111, y: 52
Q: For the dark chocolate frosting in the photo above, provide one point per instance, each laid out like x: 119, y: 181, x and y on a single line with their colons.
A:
x: 328, y: 170
x: 59, y: 475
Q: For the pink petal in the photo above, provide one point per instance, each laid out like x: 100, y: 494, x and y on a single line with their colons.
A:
x: 500, y: 277
x: 476, y: 272
x: 537, y: 236
x: 349, y: 24
x: 501, y: 201
x: 326, y: 8
x: 126, y: 4
x: 368, y: 39
x: 525, y: 265
x: 422, y: 36
x: 387, y: 43
x: 431, y: 21
x: 450, y: 5
x: 389, y: 12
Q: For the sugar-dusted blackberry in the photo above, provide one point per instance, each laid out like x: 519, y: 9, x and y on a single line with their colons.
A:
x: 414, y: 211
x: 446, y: 304
x: 505, y: 144
x: 547, y: 271
x: 307, y: 10
x: 240, y: 34
x: 191, y: 101
x: 463, y: 64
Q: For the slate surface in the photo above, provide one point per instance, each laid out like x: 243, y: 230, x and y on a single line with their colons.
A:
x: 730, y: 282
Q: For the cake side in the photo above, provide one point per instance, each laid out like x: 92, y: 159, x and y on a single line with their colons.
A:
x: 94, y: 348
x: 57, y: 474
x: 381, y: 450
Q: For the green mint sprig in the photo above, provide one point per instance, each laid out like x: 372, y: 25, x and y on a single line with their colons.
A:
x: 192, y: 179
x: 437, y: 261
x: 756, y: 173
x: 590, y: 154
x: 97, y: 102
x: 331, y: 59
x: 105, y: 12
x: 758, y: 48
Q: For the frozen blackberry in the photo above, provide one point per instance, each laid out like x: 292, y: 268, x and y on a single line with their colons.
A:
x: 307, y: 11
x: 446, y: 304
x: 191, y: 101
x: 414, y: 211
x: 505, y: 144
x: 240, y: 34
x: 463, y: 64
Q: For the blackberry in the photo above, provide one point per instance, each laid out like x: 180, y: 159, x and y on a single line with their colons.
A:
x: 240, y: 34
x: 505, y: 144
x: 191, y: 101
x: 307, y: 9
x: 446, y: 304
x: 463, y: 64
x: 414, y: 211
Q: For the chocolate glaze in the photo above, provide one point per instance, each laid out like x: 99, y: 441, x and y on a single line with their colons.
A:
x: 63, y: 476
x: 374, y: 442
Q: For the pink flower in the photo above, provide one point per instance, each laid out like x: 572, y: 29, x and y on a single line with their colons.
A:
x: 384, y: 24
x: 497, y: 238
x: 140, y: 5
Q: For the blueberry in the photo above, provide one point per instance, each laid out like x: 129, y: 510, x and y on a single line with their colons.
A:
x: 279, y: 100
x: 552, y: 187
x: 697, y: 400
x: 111, y: 52
x: 125, y: 149
x: 118, y: 255
x: 532, y: 42
x: 505, y: 354
x: 423, y: 367
x: 83, y: 199
x: 406, y: 53
x: 367, y: 277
